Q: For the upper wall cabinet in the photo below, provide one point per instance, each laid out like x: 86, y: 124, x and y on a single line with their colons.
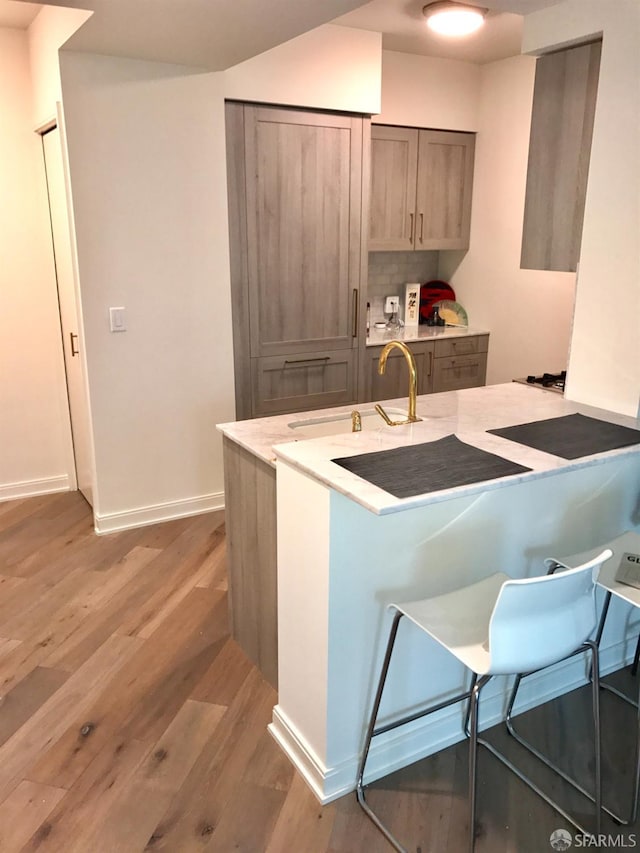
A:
x: 421, y: 185
x: 564, y: 101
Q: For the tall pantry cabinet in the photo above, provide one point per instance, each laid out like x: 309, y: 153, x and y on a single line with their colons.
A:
x: 295, y: 208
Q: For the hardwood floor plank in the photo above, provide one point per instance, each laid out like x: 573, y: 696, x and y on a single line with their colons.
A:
x: 142, y: 698
x: 128, y: 824
x: 125, y: 604
x: 172, y: 598
x: 303, y: 824
x: 225, y: 676
x: 72, y: 824
x: 50, y: 721
x: 24, y: 700
x: 198, y: 807
x: 245, y: 825
x: 193, y: 549
x: 24, y: 810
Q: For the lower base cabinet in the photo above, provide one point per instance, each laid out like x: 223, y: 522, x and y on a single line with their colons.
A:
x: 460, y: 363
x: 449, y: 364
x: 250, y: 518
x: 395, y: 380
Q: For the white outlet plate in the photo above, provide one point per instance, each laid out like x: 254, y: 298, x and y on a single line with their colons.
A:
x: 392, y: 303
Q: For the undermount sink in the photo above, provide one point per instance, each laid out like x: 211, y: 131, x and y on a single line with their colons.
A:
x: 337, y: 424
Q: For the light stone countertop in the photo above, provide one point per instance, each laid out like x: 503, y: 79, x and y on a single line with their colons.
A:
x: 468, y: 414
x: 378, y: 337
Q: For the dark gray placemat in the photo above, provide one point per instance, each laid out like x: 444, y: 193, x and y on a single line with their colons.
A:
x: 571, y: 436
x: 430, y: 467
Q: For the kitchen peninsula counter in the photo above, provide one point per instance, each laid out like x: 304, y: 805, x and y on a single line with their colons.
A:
x: 346, y: 548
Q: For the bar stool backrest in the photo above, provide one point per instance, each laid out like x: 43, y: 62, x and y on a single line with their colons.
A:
x: 539, y: 621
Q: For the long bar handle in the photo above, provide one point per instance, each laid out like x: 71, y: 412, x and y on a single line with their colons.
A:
x: 421, y: 227
x: 411, y: 223
x: 306, y: 360
x: 74, y: 351
x: 354, y: 313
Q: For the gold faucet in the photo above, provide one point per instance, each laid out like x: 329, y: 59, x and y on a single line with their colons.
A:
x: 413, y: 382
x: 356, y: 421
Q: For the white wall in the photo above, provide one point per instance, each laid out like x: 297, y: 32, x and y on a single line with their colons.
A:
x: 528, y: 313
x: 35, y: 433
x: 604, y: 368
x: 330, y: 68
x: 148, y: 171
x: 50, y: 29
x: 422, y: 91
x: 147, y: 161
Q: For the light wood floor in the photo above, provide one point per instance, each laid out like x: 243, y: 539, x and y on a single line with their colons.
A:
x: 130, y: 721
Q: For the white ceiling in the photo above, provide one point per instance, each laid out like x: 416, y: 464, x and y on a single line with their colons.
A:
x: 216, y: 34
x: 403, y: 27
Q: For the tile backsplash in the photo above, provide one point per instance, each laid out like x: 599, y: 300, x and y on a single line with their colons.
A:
x: 389, y: 272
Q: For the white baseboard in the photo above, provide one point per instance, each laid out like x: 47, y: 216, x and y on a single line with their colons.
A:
x: 31, y: 488
x: 429, y: 735
x: 143, y: 516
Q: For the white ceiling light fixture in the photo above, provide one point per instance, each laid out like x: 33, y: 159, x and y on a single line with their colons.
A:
x: 448, y: 18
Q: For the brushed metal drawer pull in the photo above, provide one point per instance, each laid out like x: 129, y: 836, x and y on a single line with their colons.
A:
x: 421, y: 227
x: 411, y: 228
x: 307, y: 360
x: 73, y: 338
x: 354, y: 313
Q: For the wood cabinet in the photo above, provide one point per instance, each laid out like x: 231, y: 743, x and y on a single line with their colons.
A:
x: 562, y: 118
x: 448, y: 364
x: 460, y: 363
x: 421, y: 186
x: 395, y: 380
x: 295, y: 200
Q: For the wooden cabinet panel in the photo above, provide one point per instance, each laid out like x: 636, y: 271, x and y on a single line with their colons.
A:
x: 394, y: 157
x: 303, y: 202
x: 395, y: 381
x: 421, y: 186
x: 445, y: 180
x: 250, y: 501
x: 564, y: 103
x: 465, y: 371
x: 302, y: 381
x: 462, y: 346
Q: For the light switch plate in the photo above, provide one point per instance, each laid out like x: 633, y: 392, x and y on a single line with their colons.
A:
x: 391, y: 304
x: 117, y: 320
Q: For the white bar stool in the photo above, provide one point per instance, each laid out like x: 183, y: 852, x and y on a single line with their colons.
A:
x: 500, y: 626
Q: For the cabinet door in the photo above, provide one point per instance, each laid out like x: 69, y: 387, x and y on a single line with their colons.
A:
x: 303, y: 201
x: 465, y: 371
x: 394, y: 158
x: 296, y: 382
x: 395, y: 381
x: 445, y: 183
x: 564, y: 102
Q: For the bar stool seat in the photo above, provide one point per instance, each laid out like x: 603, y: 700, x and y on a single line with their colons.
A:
x: 500, y: 626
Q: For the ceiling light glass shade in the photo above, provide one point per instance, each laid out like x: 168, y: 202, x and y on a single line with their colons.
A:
x: 453, y: 19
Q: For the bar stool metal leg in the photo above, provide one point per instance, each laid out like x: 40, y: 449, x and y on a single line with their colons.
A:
x: 596, y: 796
x: 370, y: 733
x: 472, y: 716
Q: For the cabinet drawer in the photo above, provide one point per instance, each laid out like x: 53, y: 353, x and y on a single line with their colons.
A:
x: 292, y: 383
x: 465, y: 371
x: 395, y: 380
x: 462, y: 346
